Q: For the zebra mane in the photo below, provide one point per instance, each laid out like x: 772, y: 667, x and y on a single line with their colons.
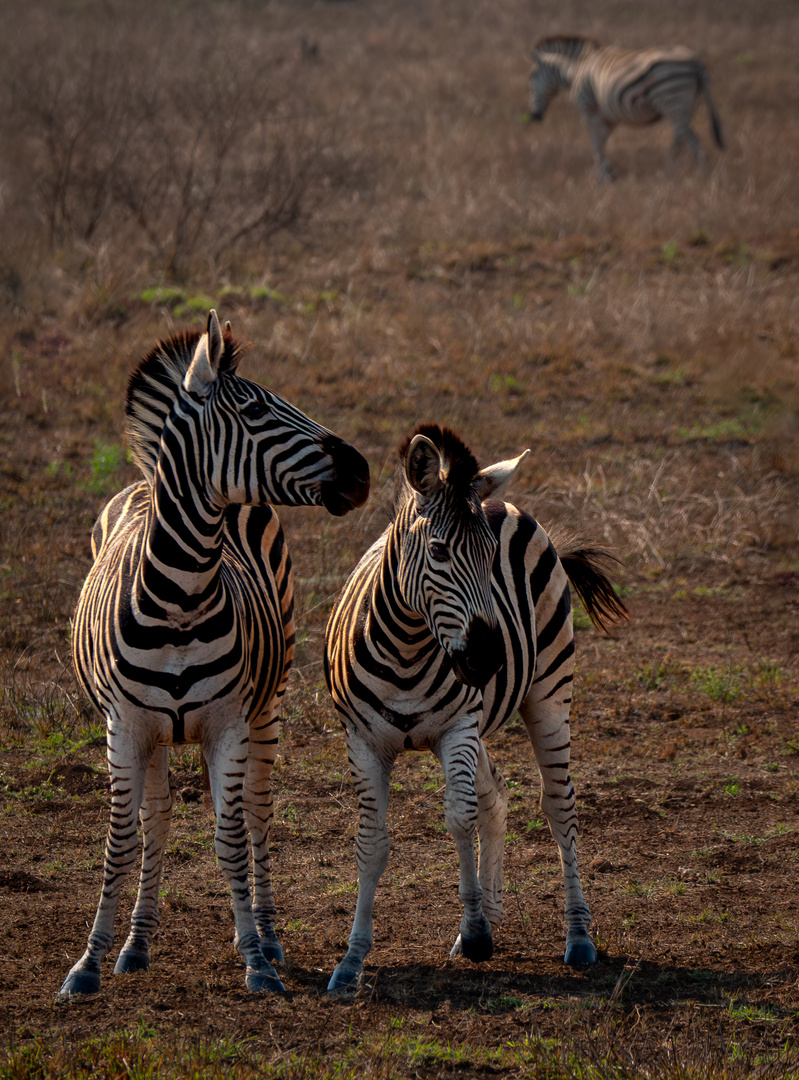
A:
x: 155, y: 386
x: 459, y: 463
x: 570, y: 47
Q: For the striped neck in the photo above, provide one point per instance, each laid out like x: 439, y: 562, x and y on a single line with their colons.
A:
x: 409, y: 635
x: 178, y: 578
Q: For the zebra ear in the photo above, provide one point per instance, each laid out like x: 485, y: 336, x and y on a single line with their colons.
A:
x: 423, y: 466
x: 204, y: 367
x: 495, y: 478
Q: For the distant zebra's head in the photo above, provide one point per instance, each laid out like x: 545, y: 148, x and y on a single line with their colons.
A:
x: 241, y: 442
x: 554, y: 60
x: 448, y: 548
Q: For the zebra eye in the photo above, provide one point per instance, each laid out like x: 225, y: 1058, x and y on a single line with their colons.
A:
x: 439, y: 551
x: 255, y: 410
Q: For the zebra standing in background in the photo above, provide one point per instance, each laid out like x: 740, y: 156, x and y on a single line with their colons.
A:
x: 184, y: 630
x: 613, y: 86
x: 458, y: 616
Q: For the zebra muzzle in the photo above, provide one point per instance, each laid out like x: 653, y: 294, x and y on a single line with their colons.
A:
x: 350, y: 486
x: 482, y: 656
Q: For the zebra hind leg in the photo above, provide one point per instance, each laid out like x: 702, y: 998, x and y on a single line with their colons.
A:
x: 227, y: 763
x: 371, y: 773
x: 492, y: 814
x: 458, y: 750
x: 155, y: 817
x: 547, y: 723
x: 121, y: 848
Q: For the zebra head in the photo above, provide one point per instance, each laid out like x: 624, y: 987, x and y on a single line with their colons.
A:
x: 448, y: 548
x: 249, y: 445
x: 554, y: 62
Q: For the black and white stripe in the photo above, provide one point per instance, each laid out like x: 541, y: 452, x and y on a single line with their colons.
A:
x: 456, y: 618
x: 612, y: 86
x: 184, y: 630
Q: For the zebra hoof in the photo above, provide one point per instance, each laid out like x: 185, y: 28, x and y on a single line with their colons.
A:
x: 130, y: 960
x: 80, y: 983
x: 580, y: 951
x: 265, y: 978
x: 477, y: 949
x: 271, y: 949
x: 345, y: 980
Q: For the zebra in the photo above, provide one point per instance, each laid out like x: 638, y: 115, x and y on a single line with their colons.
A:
x: 184, y: 628
x: 457, y: 617
x: 612, y: 86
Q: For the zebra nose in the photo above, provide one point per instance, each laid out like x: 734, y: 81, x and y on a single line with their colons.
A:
x: 350, y: 485
x: 481, y: 657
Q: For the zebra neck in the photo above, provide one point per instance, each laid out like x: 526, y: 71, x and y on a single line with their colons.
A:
x: 390, y: 619
x: 179, y: 573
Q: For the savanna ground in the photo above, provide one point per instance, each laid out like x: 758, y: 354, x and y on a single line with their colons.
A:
x: 354, y: 186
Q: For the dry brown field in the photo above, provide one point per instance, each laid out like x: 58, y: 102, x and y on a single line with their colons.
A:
x: 355, y: 186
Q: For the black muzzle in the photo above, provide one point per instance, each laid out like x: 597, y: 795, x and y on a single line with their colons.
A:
x: 350, y: 486
x: 482, y: 657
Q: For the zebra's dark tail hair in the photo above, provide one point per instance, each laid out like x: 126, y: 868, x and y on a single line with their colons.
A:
x: 586, y: 568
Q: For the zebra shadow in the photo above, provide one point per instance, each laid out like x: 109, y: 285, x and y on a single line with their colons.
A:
x: 618, y: 982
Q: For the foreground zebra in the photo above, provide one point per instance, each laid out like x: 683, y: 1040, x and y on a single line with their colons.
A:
x: 613, y: 86
x: 458, y: 616
x: 184, y: 630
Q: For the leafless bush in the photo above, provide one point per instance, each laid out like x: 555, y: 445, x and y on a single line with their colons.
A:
x: 130, y: 133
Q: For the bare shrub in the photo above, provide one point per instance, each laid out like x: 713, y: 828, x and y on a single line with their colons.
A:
x: 132, y: 134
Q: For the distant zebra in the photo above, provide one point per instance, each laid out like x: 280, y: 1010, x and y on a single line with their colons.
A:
x: 613, y: 86
x: 184, y: 630
x: 458, y: 616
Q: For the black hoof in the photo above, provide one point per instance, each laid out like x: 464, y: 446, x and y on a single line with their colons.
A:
x: 266, y: 979
x: 345, y: 980
x: 130, y: 961
x: 580, y: 951
x: 477, y: 949
x: 80, y: 983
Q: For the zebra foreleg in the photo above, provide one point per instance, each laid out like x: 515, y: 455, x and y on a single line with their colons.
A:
x: 258, y: 816
x: 155, y: 817
x: 599, y: 130
x: 547, y: 724
x: 492, y: 814
x: 370, y: 773
x: 458, y: 750
x: 227, y: 763
x: 122, y: 843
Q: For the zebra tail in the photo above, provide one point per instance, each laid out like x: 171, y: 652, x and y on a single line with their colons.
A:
x: 586, y: 570
x: 714, y: 119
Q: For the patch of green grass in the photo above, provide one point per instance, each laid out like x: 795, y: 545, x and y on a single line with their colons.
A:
x: 720, y: 684
x: 107, y: 460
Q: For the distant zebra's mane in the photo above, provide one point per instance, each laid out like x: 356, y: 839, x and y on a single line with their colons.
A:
x: 459, y: 463
x: 155, y: 386
x: 571, y: 47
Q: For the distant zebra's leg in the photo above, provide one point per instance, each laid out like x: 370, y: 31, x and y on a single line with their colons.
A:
x: 258, y: 816
x: 684, y: 135
x: 492, y: 814
x: 155, y: 817
x: 227, y: 764
x: 370, y: 773
x: 121, y: 848
x: 458, y: 749
x: 599, y: 131
x: 547, y: 723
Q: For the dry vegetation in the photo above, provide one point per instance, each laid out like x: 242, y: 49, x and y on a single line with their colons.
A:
x: 354, y: 186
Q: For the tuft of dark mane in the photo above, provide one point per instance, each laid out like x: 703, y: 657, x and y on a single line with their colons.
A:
x: 567, y: 45
x: 459, y: 462
x: 155, y: 386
